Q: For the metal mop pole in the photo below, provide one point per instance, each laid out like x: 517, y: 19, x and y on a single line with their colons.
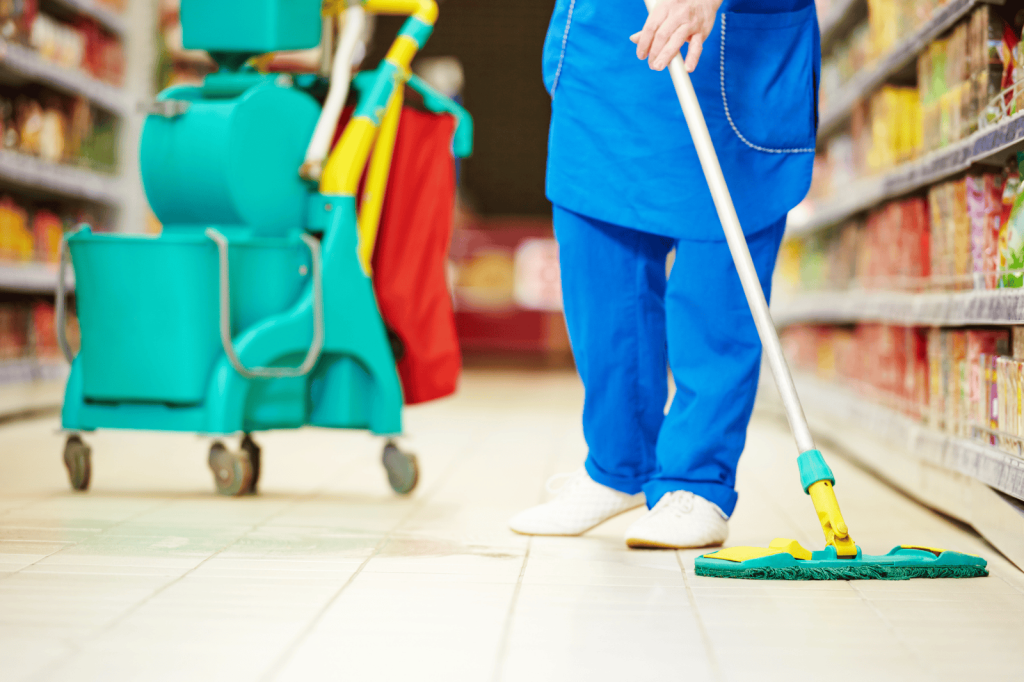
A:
x: 740, y: 252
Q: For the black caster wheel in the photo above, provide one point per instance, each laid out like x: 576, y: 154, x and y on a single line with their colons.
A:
x: 78, y: 460
x: 250, y: 446
x: 232, y: 471
x: 403, y: 469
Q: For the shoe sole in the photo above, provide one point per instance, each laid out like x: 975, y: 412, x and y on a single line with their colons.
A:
x: 636, y: 543
x: 575, y: 535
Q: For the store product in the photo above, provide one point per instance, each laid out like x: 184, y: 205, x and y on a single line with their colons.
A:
x: 1012, y: 240
x: 16, y: 240
x: 13, y: 331
x: 964, y: 382
x: 48, y: 230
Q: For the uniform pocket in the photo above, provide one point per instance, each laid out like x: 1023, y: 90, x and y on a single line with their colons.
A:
x: 555, y: 42
x: 768, y: 66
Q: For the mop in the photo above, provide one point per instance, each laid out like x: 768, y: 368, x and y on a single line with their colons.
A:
x: 786, y: 559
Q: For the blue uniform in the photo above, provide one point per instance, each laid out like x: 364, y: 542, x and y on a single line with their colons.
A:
x: 627, y: 188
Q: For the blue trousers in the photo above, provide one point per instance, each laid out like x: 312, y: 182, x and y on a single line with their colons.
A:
x: 627, y: 322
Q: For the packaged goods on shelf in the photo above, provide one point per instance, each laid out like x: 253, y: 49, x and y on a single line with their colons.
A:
x: 888, y: 23
x: 83, y: 45
x: 28, y: 330
x: 964, y: 382
x: 889, y: 250
x: 13, y: 331
x: 960, y: 78
x: 44, y: 331
x: 32, y: 232
x: 967, y: 234
x: 16, y: 240
x: 58, y: 128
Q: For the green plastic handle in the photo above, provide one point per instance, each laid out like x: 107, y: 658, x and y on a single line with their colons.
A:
x: 436, y: 102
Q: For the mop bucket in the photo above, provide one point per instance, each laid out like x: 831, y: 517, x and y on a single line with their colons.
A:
x: 149, y: 310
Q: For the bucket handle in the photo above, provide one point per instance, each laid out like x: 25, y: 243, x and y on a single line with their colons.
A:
x: 225, y: 314
x: 60, y: 315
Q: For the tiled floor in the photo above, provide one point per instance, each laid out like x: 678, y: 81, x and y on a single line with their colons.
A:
x: 327, y: 575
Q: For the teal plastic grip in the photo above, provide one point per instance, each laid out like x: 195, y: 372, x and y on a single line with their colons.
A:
x: 462, y: 143
x: 433, y: 100
x: 813, y: 469
x: 417, y: 30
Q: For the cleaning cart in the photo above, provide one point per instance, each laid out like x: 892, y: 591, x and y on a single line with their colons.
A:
x: 255, y: 308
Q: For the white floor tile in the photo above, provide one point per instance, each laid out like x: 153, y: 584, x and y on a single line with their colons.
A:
x: 329, y: 575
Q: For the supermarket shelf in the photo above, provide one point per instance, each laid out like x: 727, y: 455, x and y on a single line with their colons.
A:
x: 996, y: 306
x: 957, y: 476
x: 985, y: 146
x: 867, y: 81
x: 110, y: 19
x: 60, y: 179
x: 30, y: 65
x: 28, y: 370
x: 31, y: 278
x: 833, y: 23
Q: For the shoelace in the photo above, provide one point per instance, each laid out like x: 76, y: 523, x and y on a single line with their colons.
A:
x: 680, y: 503
x: 561, y: 483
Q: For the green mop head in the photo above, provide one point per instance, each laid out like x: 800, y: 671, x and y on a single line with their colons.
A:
x: 785, y: 559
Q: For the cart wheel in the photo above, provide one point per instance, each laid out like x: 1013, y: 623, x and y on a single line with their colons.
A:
x: 403, y: 469
x: 78, y: 460
x: 250, y: 446
x: 232, y: 471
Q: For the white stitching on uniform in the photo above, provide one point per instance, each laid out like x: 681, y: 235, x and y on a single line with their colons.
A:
x: 736, y: 130
x: 561, y: 57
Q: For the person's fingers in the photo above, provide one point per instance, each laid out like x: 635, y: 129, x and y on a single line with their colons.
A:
x: 635, y: 38
x: 654, y: 19
x: 665, y: 35
x: 660, y: 59
x: 693, y: 54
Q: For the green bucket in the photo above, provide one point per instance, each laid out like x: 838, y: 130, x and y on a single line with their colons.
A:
x: 148, y: 308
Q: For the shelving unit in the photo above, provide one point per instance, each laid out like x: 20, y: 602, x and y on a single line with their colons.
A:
x: 957, y: 476
x: 988, y: 146
x: 29, y: 65
x: 110, y: 20
x: 34, y: 383
x: 60, y: 179
x: 838, y: 18
x: 866, y: 82
x: 982, y: 307
x: 32, y: 278
x: 979, y: 484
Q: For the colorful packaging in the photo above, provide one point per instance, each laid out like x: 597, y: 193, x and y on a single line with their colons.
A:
x: 1011, y: 235
x: 993, y: 211
x: 975, y: 189
x: 48, y: 230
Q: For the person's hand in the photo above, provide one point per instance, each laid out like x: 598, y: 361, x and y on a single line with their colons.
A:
x: 671, y: 24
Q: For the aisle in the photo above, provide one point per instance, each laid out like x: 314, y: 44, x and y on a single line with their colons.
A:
x: 327, y: 575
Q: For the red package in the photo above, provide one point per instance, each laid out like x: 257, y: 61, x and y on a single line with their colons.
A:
x: 48, y: 230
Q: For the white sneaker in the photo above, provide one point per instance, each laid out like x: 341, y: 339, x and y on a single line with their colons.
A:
x: 581, y: 504
x: 680, y: 520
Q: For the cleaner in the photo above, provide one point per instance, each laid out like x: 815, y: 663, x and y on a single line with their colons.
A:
x: 692, y: 516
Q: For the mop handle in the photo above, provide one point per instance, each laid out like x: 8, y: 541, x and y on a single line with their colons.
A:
x: 740, y: 252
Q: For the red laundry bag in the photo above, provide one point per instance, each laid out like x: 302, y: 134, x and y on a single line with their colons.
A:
x: 411, y: 253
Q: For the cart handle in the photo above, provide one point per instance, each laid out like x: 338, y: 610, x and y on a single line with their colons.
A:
x: 312, y: 356
x: 436, y: 102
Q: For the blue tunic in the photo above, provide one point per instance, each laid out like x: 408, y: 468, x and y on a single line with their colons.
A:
x: 619, y: 149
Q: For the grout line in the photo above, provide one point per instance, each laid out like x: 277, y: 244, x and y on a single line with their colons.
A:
x: 79, y: 643
x: 293, y: 646
x: 75, y: 543
x: 716, y: 669
x: 506, y: 634
x: 1014, y: 587
x: 921, y: 661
